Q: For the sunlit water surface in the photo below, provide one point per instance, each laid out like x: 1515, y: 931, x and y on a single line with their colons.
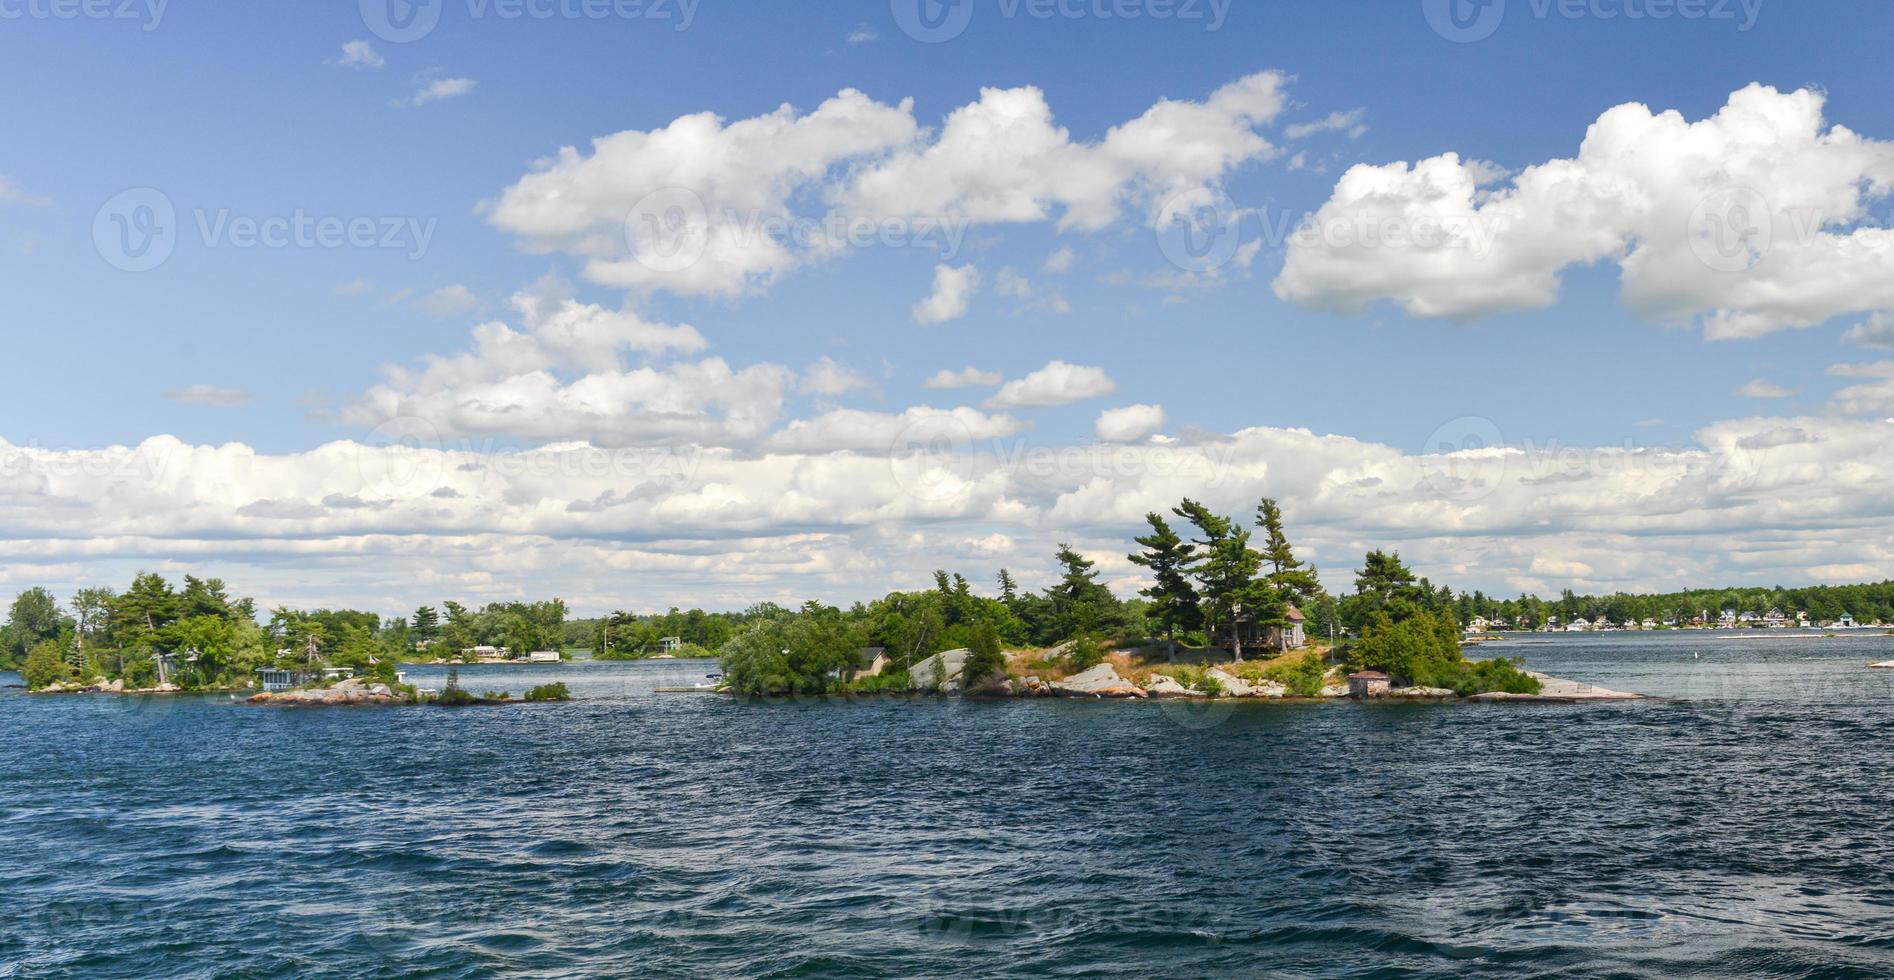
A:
x: 1738, y: 825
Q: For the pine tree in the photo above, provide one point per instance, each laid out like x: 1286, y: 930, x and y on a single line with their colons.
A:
x: 1288, y: 573
x: 1174, y: 600
x: 1226, y: 575
x: 1009, y: 589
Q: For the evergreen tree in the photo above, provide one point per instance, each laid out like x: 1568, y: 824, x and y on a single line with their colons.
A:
x: 1009, y: 589
x: 1226, y: 574
x: 1080, y: 603
x: 1289, y: 574
x: 1174, y: 600
x: 426, y: 624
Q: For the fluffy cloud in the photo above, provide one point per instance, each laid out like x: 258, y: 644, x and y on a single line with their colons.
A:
x: 953, y: 292
x: 1131, y: 423
x: 437, y: 90
x: 883, y: 432
x: 1875, y: 332
x: 564, y: 375
x: 1058, y: 383
x: 360, y: 54
x: 827, y: 378
x: 392, y: 525
x: 1754, y: 220
x: 1874, y: 395
x: 210, y: 395
x: 703, y: 206
x: 945, y: 380
x: 451, y: 301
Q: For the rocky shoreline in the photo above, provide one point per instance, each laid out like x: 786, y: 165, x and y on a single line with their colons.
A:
x: 1103, y: 682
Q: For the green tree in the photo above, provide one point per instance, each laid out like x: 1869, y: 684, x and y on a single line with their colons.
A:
x: 1232, y: 595
x: 1080, y: 603
x: 33, y: 619
x: 426, y: 624
x: 43, y: 665
x: 984, y: 657
x: 1289, y: 574
x: 1174, y: 600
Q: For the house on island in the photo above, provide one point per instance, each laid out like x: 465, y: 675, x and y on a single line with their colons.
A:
x: 290, y: 678
x: 870, y: 661
x: 1290, y: 637
x: 1368, y: 684
x: 486, y: 652
x: 670, y: 644
x: 1477, y: 624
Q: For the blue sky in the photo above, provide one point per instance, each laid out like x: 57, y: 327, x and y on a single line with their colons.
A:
x: 247, y: 110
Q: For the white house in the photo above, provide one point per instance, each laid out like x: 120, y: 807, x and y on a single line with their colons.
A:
x: 544, y: 657
x: 1579, y: 625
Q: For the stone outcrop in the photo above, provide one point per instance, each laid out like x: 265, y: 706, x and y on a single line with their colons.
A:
x: 1101, y: 681
x: 349, y: 692
x: 1421, y: 692
x: 1165, y: 686
x: 1335, y: 691
x: 940, y: 672
x: 1231, y: 686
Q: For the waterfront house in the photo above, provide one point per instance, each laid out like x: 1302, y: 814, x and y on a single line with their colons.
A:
x: 1846, y: 622
x: 1368, y: 684
x: 870, y: 661
x: 544, y: 657
x: 1775, y: 620
x: 1477, y: 624
x: 1579, y: 625
x: 1650, y: 624
x: 1291, y: 637
x: 280, y: 679
x: 670, y: 644
x: 486, y: 652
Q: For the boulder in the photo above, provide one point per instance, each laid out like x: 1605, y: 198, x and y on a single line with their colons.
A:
x: 1101, y: 681
x: 1268, y: 689
x: 167, y: 688
x: 1163, y: 686
x: 1033, y: 687
x: 1233, y: 686
x: 940, y: 672
x: 107, y: 687
x: 1421, y: 692
x: 1335, y: 691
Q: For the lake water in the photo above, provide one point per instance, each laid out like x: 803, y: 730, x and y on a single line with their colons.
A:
x: 1739, y: 829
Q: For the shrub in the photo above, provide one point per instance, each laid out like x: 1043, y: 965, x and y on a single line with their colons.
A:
x: 1302, y: 676
x: 555, y: 691
x: 44, y: 666
x: 1084, y: 653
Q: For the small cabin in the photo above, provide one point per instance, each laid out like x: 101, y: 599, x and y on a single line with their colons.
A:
x: 871, y: 661
x: 670, y: 644
x: 279, y: 679
x: 543, y: 657
x: 1368, y: 684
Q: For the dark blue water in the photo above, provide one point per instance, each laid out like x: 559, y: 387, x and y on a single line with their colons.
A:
x: 1740, y: 830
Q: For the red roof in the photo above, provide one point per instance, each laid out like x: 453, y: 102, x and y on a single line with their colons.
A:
x: 1368, y: 675
x: 1294, y: 613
